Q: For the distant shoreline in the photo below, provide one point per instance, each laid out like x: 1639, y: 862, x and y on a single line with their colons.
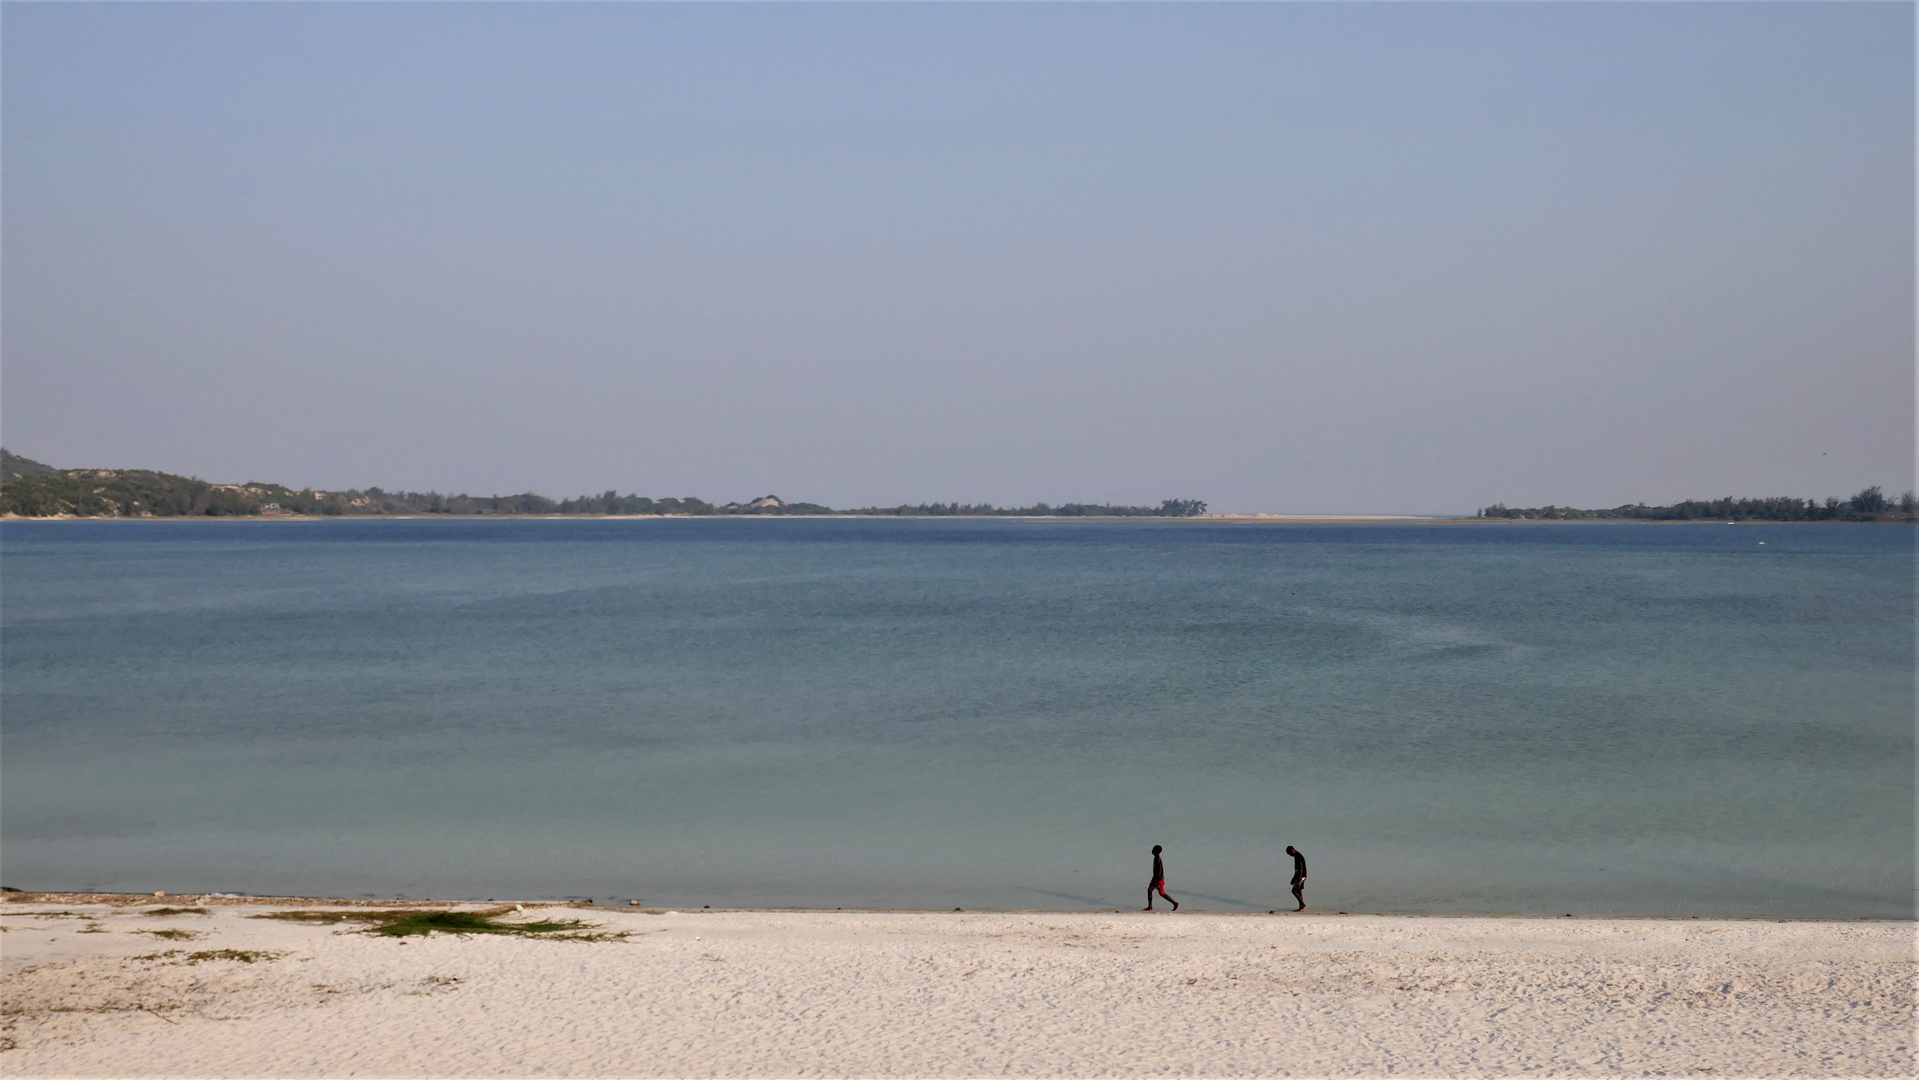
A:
x: 123, y: 900
x: 32, y: 489
x: 1075, y: 518
x: 1210, y: 519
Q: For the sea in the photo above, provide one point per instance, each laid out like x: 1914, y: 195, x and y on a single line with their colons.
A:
x: 1605, y: 718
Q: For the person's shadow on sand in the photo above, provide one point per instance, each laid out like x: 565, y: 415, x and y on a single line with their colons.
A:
x: 1219, y: 899
x: 1090, y: 901
x: 1094, y: 901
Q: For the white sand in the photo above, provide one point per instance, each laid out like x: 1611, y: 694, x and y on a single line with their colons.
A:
x: 895, y: 994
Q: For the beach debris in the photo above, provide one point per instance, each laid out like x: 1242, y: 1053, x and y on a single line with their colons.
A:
x: 244, y: 956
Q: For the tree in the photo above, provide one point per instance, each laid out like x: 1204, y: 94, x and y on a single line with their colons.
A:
x: 1869, y: 500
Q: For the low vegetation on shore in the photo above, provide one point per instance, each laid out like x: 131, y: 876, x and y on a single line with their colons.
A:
x: 413, y: 923
x: 31, y: 489
x: 1871, y: 504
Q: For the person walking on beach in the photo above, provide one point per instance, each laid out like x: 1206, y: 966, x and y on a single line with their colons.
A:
x: 1299, y: 876
x: 1158, y: 882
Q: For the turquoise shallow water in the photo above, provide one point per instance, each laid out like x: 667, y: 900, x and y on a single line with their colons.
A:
x: 1657, y: 719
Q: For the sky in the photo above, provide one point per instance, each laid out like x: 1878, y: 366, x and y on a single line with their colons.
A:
x: 1314, y: 258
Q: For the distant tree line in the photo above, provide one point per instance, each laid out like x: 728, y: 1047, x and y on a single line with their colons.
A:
x: 143, y: 493
x: 30, y: 489
x: 1167, y: 508
x: 119, y: 493
x: 1870, y: 504
x: 12, y: 465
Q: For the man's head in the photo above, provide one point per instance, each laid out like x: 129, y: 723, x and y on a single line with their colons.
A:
x: 1290, y: 851
x: 1155, y: 849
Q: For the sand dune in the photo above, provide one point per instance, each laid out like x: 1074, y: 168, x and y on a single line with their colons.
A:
x: 94, y: 992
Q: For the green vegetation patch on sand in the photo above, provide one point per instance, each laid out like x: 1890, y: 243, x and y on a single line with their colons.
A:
x: 175, y: 911
x: 405, y: 923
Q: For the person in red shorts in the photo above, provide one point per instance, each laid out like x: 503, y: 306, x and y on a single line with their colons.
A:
x: 1158, y: 882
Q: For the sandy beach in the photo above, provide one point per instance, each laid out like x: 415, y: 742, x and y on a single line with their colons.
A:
x: 114, y: 989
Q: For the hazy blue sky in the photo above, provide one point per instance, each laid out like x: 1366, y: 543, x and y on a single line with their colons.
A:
x: 1303, y: 257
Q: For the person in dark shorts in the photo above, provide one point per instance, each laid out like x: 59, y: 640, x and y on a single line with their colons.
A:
x: 1158, y: 882
x: 1299, y: 876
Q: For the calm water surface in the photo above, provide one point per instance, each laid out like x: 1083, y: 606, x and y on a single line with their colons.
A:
x: 1651, y: 719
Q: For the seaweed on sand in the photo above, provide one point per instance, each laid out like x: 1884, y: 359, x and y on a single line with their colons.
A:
x: 410, y: 923
x: 244, y: 956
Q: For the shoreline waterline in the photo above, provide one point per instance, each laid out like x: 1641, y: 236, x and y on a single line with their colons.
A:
x: 130, y: 900
x: 1075, y: 519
